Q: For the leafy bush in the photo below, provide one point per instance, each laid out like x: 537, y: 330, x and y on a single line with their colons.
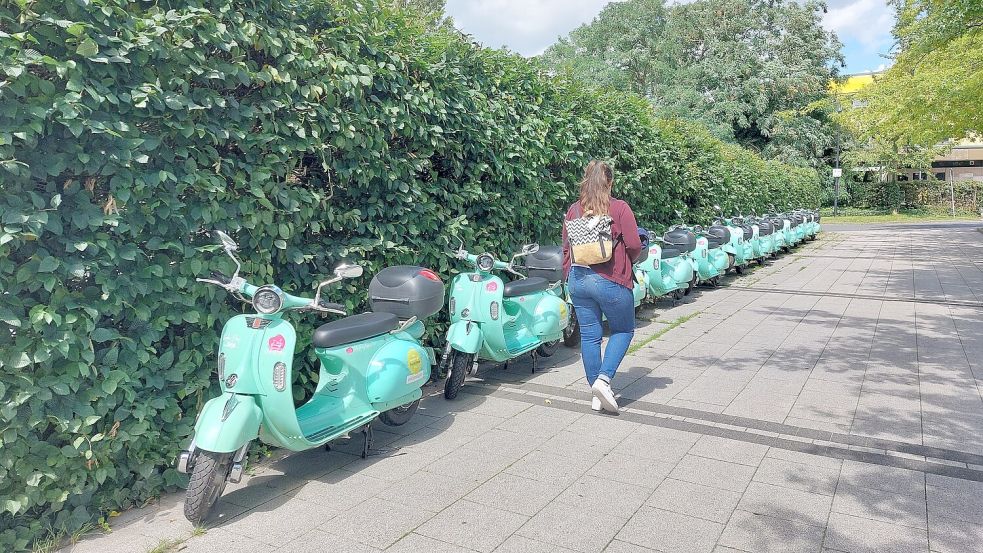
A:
x: 311, y: 131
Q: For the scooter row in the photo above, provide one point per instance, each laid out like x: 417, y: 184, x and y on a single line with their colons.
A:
x: 373, y: 365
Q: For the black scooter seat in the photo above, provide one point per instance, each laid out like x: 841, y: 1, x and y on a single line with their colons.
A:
x: 525, y: 286
x: 669, y: 253
x: 354, y: 328
x: 715, y: 242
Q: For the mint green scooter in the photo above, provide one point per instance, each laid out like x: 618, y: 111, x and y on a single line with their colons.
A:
x: 372, y: 366
x: 498, y: 321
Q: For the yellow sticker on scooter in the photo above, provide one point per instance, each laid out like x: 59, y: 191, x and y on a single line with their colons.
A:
x: 563, y: 311
x: 414, y: 362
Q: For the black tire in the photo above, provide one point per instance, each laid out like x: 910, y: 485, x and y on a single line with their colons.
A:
x: 692, y: 286
x: 571, y: 334
x: 731, y: 261
x: 208, y: 479
x: 547, y: 349
x: 460, y: 365
x: 398, y: 416
x: 739, y: 269
x: 677, y: 294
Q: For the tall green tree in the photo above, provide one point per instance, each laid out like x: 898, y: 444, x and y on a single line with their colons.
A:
x: 750, y: 70
x: 934, y: 90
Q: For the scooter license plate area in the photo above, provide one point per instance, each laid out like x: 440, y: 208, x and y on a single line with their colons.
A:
x: 251, y: 348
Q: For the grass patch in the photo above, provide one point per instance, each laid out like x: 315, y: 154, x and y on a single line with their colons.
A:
x: 165, y: 546
x: 658, y: 334
x: 858, y: 215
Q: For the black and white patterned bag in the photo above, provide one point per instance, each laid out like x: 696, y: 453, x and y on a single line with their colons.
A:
x: 590, y: 238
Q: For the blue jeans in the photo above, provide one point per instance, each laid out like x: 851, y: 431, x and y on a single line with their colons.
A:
x: 594, y: 296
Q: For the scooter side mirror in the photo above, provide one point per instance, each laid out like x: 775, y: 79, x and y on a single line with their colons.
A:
x: 347, y: 270
x: 529, y: 249
x: 227, y: 242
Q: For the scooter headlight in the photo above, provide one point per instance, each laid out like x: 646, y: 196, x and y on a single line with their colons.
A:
x: 486, y: 262
x: 268, y: 300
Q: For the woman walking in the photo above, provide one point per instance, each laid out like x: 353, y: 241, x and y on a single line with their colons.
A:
x: 603, y: 288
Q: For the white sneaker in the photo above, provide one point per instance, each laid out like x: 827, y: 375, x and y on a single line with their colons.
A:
x: 605, y: 395
x: 595, y: 404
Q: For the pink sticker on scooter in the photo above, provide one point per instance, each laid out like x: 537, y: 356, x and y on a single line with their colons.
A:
x: 350, y: 350
x: 277, y: 343
x: 491, y: 287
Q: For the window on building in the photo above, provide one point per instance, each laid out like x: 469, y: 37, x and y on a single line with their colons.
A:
x: 902, y: 178
x: 940, y: 176
x: 915, y: 176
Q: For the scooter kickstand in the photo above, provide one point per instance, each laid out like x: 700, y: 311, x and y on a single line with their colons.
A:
x: 535, y: 359
x: 366, y: 440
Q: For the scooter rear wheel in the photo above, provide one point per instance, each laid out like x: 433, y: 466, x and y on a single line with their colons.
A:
x: 571, y: 334
x: 398, y: 416
x: 460, y: 366
x: 208, y: 478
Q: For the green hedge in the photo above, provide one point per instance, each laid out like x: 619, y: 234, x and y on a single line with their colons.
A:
x: 313, y: 132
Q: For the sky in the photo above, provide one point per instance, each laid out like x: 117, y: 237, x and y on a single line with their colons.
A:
x: 530, y: 26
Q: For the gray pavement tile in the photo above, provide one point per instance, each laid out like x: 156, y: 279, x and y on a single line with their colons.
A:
x: 255, y: 524
x: 694, y: 500
x: 319, y: 540
x: 515, y: 493
x: 579, y: 445
x: 572, y: 527
x: 733, y: 451
x: 550, y: 468
x: 641, y: 445
x: 413, y: 543
x: 778, y: 502
x: 880, y: 477
x: 340, y: 490
x: 392, y: 466
x: 617, y: 498
x: 618, y: 546
x: 713, y: 473
x: 428, y: 491
x: 376, y: 522
x: 216, y: 540
x: 472, y: 525
x: 540, y: 421
x: 505, y: 443
x: 786, y: 474
x: 631, y: 469
x: 670, y: 532
x: 472, y: 464
x: 757, y: 533
x: 603, y: 426
x: 129, y: 541
x: 433, y: 441
x: 954, y: 499
x: 953, y: 536
x: 522, y: 544
x: 697, y: 405
x: 907, y: 509
x: 861, y: 535
x: 499, y: 407
x: 804, y: 458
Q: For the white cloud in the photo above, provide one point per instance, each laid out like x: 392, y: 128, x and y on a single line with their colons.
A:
x: 525, y: 26
x: 868, y: 22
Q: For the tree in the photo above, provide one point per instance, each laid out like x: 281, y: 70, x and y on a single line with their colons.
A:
x: 934, y: 90
x: 747, y: 69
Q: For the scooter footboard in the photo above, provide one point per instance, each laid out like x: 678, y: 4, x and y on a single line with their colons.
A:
x: 227, y: 422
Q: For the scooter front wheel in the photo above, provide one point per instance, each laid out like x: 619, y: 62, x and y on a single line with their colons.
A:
x: 399, y: 416
x: 460, y: 366
x: 208, y: 478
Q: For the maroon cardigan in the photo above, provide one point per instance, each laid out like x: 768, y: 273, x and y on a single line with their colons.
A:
x: 619, y: 267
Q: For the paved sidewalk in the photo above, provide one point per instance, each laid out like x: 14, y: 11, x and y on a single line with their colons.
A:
x: 828, y: 402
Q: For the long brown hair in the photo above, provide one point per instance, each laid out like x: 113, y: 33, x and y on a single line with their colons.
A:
x: 595, y: 189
